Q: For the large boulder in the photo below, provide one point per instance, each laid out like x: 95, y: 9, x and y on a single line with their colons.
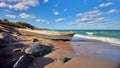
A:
x: 7, y: 37
x: 35, y: 50
x: 23, y: 62
x: 38, y: 49
x: 10, y: 64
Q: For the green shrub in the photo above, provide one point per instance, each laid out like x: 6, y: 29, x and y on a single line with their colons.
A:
x: 16, y: 24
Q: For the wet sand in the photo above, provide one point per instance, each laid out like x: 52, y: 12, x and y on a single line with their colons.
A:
x: 94, y: 48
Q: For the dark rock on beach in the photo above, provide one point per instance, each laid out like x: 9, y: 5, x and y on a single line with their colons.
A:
x: 4, y: 58
x: 38, y: 50
x: 7, y: 37
x: 35, y: 50
x: 19, y: 45
x: 3, y: 43
x: 10, y: 64
x: 34, y: 40
x: 23, y: 62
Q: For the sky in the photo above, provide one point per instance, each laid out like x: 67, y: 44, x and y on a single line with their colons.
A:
x: 63, y: 14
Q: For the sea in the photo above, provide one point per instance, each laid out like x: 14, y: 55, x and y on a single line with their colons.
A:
x: 111, y: 36
x: 103, y: 44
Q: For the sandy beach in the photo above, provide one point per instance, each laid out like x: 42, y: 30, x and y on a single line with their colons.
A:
x: 59, y: 33
x: 77, y: 53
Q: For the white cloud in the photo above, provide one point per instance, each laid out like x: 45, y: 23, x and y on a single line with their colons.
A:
x: 45, y: 1
x: 73, y: 23
x: 3, y: 4
x: 26, y: 16
x: 11, y: 16
x: 105, y: 4
x: 59, y: 19
x: 55, y: 12
x: 79, y: 14
x: 91, y: 17
x: 92, y: 20
x: 19, y: 4
x: 42, y: 21
x: 101, y: 19
x: 93, y: 13
x: 112, y: 11
x: 85, y: 20
x: 12, y: 0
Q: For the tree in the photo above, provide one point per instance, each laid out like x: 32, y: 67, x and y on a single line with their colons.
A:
x: 5, y: 20
x: 23, y: 24
x: 17, y: 24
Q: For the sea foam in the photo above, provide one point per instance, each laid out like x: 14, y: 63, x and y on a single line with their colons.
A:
x: 103, y: 39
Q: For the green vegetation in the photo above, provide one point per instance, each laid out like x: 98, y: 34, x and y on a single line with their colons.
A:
x: 17, y: 24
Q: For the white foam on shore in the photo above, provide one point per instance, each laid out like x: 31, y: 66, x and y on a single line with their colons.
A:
x: 103, y: 39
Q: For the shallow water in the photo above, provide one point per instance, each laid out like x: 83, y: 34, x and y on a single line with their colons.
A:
x: 94, y: 48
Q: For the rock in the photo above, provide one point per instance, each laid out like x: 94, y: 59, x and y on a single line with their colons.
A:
x: 16, y: 50
x: 35, y: 50
x: 3, y: 54
x: 1, y: 30
x: 20, y: 49
x: 4, y: 57
x: 17, y: 34
x: 34, y: 40
x: 7, y: 37
x: 38, y: 50
x: 19, y: 45
x: 10, y: 64
x: 3, y: 43
x: 2, y: 46
x: 23, y: 62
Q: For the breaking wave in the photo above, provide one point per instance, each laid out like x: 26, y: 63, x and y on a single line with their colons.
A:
x: 103, y: 39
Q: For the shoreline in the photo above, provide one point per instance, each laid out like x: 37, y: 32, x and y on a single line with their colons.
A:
x: 100, y: 38
x: 80, y: 53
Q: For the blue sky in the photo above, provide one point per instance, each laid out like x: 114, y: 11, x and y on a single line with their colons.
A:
x: 63, y: 14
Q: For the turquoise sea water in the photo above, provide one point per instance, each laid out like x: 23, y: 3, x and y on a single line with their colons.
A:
x: 102, y: 35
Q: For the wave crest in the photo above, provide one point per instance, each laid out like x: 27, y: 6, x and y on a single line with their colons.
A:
x: 103, y: 39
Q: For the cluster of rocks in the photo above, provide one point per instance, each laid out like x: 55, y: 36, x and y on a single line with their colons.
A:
x: 8, y: 36
x: 29, y: 53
